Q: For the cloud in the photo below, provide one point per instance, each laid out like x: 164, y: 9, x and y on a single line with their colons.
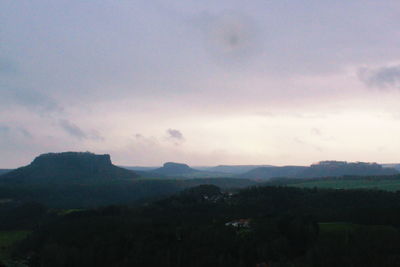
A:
x: 33, y: 100
x: 14, y: 132
x: 13, y: 139
x: 76, y: 132
x: 25, y: 132
x: 7, y: 66
x: 301, y: 142
x: 72, y: 129
x: 232, y: 37
x: 138, y: 136
x: 382, y: 77
x: 4, y: 130
x: 175, y: 134
x: 316, y: 131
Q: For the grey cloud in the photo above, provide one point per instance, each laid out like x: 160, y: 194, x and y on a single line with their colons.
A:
x: 138, y: 136
x: 7, y: 131
x: 232, y: 37
x: 175, y: 137
x: 4, y: 130
x: 322, y: 135
x: 148, y: 141
x: 11, y: 131
x: 383, y: 77
x: 36, y: 100
x: 30, y: 99
x: 7, y: 66
x: 175, y: 134
x: 95, y: 135
x: 316, y: 131
x: 72, y: 129
x: 75, y: 131
x: 25, y: 132
x: 300, y: 141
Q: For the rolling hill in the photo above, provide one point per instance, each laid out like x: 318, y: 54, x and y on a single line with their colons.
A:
x: 172, y: 169
x: 272, y: 172
x: 321, y: 169
x: 3, y: 171
x: 231, y: 169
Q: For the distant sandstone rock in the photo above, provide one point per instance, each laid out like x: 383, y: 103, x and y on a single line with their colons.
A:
x: 172, y: 168
x: 68, y: 167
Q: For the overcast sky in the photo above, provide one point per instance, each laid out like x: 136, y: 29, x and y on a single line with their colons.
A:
x: 201, y: 82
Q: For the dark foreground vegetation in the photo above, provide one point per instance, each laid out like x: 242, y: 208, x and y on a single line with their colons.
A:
x: 201, y: 226
x: 86, y: 180
x: 90, y: 195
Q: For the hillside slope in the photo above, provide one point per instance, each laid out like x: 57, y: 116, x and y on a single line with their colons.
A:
x: 4, y: 171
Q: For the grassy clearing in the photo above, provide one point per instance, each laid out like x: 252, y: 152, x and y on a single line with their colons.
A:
x: 67, y: 211
x: 8, y: 239
x: 381, y: 184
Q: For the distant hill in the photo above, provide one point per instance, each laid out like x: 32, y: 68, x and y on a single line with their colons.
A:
x: 3, y: 171
x: 272, y: 172
x: 341, y: 168
x: 232, y: 169
x: 139, y: 168
x: 392, y: 165
x: 172, y: 169
x: 321, y: 169
x: 68, y: 167
x: 175, y: 169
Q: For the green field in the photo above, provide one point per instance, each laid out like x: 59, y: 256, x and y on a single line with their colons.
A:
x: 7, y: 240
x: 68, y: 211
x: 381, y: 184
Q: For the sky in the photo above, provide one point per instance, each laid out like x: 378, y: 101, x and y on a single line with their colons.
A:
x: 281, y: 82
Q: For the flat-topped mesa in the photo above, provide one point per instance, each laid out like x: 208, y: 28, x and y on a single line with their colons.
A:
x: 68, y: 167
x: 176, y: 166
x: 72, y: 160
x: 172, y: 168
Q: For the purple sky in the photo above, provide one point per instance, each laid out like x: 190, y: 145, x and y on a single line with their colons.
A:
x: 201, y: 82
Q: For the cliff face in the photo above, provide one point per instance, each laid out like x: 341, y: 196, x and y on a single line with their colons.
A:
x: 68, y: 167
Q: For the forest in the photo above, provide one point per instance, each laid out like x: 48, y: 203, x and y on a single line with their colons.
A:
x: 207, y: 226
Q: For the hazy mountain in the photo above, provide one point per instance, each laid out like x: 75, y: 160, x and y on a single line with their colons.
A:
x: 392, y: 165
x: 140, y: 168
x: 175, y: 169
x: 3, y: 171
x: 321, y: 169
x: 271, y: 172
x: 172, y: 169
x: 68, y: 167
x: 232, y: 169
x: 341, y: 168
